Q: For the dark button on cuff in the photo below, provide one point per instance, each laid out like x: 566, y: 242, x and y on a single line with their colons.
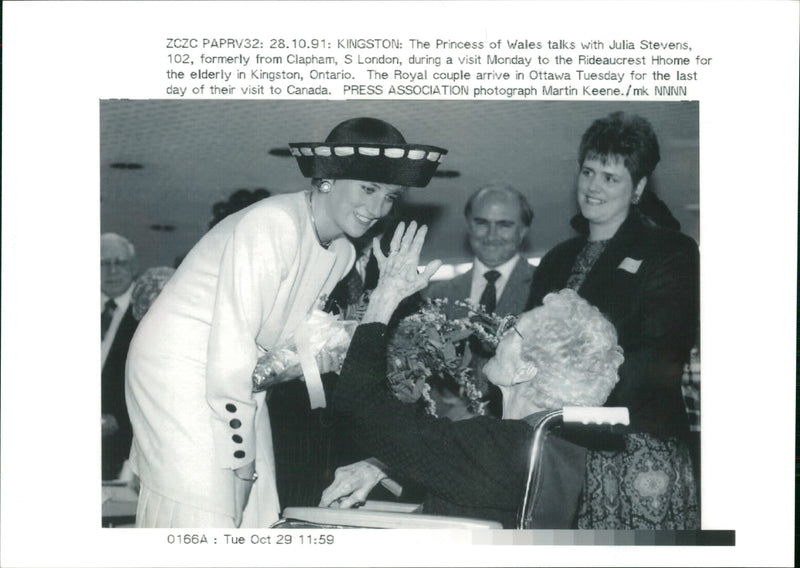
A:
x: 238, y: 454
x: 230, y: 407
x: 237, y: 438
x: 235, y: 423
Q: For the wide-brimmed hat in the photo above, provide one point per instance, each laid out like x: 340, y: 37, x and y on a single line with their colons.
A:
x: 368, y: 149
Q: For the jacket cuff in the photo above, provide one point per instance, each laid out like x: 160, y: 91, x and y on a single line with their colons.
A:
x: 232, y: 427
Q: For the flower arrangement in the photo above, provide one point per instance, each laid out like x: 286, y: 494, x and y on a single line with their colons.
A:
x: 319, y: 331
x: 430, y: 345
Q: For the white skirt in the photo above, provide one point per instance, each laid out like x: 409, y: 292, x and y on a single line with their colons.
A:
x: 156, y: 511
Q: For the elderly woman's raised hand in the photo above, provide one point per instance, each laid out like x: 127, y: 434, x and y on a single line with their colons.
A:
x: 399, y: 277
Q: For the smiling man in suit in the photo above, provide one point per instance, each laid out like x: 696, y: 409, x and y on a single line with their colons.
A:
x: 118, y: 267
x: 498, y: 219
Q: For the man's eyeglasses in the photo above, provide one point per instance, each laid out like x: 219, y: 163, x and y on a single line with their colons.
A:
x: 115, y: 262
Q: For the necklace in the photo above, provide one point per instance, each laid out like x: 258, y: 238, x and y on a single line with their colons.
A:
x: 314, y: 221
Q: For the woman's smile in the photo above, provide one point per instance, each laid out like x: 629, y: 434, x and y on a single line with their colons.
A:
x: 364, y: 220
x: 605, y: 190
x: 352, y: 207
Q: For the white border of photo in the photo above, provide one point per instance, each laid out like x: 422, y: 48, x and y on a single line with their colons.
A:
x: 61, y: 58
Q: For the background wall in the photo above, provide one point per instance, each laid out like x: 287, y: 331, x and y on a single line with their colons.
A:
x: 196, y: 153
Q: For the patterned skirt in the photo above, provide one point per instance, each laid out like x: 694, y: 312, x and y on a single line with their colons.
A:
x: 648, y: 485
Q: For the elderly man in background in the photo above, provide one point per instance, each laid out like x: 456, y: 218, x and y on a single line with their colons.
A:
x: 498, y: 219
x: 118, y: 267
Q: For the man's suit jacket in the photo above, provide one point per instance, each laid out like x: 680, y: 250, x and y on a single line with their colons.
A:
x: 112, y: 392
x: 646, y: 282
x: 511, y: 301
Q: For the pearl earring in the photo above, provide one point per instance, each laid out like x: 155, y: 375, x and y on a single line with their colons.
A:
x: 635, y: 199
x: 325, y: 186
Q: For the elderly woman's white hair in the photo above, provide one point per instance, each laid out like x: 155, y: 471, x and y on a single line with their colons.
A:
x: 563, y: 353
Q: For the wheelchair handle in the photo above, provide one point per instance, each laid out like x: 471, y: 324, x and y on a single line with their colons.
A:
x: 591, y: 415
x: 585, y: 415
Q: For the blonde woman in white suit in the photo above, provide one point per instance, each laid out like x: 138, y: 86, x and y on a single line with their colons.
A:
x: 202, y: 441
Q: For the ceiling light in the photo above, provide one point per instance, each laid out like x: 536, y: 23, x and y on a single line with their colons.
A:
x: 126, y: 166
x: 446, y: 173
x: 280, y: 152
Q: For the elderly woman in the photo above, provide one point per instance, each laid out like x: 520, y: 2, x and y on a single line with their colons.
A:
x: 202, y: 445
x: 564, y: 353
x: 645, y: 279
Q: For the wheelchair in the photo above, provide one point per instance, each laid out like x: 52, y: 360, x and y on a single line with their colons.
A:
x: 534, y: 510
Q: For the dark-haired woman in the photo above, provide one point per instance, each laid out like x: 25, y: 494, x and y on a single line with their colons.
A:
x: 645, y: 279
x: 202, y: 443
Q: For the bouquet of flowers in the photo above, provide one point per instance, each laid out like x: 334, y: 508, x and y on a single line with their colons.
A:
x: 430, y: 345
x: 320, y: 331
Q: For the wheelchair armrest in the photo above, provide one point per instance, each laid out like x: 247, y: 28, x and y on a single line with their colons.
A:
x: 597, y: 416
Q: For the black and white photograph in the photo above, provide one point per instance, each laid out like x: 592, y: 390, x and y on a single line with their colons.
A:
x: 392, y: 283
x: 238, y: 264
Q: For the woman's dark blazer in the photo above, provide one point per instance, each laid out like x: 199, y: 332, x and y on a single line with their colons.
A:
x: 647, y: 283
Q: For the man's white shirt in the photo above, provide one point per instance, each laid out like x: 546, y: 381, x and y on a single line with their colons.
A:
x: 479, y: 282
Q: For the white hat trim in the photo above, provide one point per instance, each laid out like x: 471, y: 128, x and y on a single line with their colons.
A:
x: 394, y: 152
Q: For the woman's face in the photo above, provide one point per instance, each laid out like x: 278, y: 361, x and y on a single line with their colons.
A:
x: 354, y: 206
x: 507, y: 367
x: 605, y: 190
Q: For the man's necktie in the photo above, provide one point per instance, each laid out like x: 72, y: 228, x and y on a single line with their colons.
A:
x: 106, y: 316
x: 489, y: 297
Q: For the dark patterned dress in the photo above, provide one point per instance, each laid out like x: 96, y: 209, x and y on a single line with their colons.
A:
x: 648, y: 483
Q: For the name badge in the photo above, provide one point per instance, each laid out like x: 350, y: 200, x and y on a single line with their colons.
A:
x: 630, y: 265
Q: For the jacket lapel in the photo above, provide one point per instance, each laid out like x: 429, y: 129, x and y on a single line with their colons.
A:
x: 118, y: 351
x: 516, y: 290
x: 621, y: 245
x: 561, y: 272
